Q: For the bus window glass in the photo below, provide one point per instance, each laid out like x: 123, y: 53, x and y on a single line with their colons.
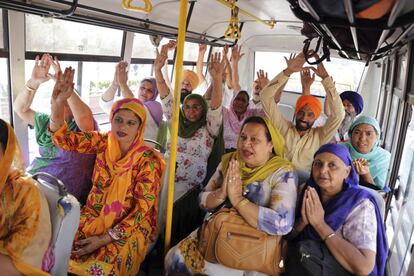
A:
x: 191, y: 52
x: 4, y: 91
x: 345, y: 73
x: 392, y: 123
x: 70, y: 37
x: 136, y: 73
x: 400, y: 225
x: 1, y: 30
x: 143, y: 47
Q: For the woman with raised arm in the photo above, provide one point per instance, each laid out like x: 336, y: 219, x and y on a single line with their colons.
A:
x: 337, y: 213
x: 119, y: 220
x: 25, y: 229
x: 73, y: 169
x: 147, y: 93
x: 259, y: 184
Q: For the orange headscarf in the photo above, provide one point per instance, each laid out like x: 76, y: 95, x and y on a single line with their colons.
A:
x: 311, y: 101
x: 121, y: 168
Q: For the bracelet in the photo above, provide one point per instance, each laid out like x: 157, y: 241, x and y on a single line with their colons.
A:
x: 329, y: 236
x: 28, y: 88
x: 113, y: 235
x: 241, y: 203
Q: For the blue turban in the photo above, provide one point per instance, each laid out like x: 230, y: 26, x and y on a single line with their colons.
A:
x: 355, y: 99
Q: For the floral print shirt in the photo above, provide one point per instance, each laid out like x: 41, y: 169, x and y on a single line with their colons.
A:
x: 192, y: 153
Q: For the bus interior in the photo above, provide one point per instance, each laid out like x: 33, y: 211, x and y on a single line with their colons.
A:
x: 92, y: 36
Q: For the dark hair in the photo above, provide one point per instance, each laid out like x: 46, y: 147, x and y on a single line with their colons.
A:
x: 260, y: 121
x: 4, y: 132
x: 245, y: 92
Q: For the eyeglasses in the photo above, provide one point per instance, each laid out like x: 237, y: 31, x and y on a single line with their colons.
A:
x: 195, y: 107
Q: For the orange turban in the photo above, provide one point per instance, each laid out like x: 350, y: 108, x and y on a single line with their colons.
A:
x: 192, y: 77
x: 311, y: 101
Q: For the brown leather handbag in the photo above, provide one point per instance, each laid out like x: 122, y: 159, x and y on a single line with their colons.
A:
x: 226, y: 238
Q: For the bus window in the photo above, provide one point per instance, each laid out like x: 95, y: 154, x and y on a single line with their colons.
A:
x: 70, y: 37
x: 346, y: 73
x: 4, y: 91
x: 400, y: 226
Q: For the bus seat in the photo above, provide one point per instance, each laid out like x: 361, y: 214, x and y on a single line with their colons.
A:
x: 162, y: 196
x: 287, y: 111
x: 378, y: 198
x: 64, y: 211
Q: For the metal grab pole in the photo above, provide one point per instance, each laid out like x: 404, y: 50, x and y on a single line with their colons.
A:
x: 174, y: 127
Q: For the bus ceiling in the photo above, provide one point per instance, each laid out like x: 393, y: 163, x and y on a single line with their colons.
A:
x: 270, y: 25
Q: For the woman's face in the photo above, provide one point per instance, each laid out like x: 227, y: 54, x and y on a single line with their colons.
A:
x: 240, y: 103
x: 254, y: 148
x: 193, y: 110
x: 329, y: 171
x: 145, y: 91
x: 125, y: 125
x: 363, y: 138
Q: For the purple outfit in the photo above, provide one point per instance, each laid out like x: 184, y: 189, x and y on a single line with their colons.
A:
x: 73, y: 169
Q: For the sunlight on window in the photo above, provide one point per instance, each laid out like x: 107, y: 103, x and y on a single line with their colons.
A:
x: 70, y: 37
x: 345, y: 73
x: 1, y: 30
x: 4, y: 91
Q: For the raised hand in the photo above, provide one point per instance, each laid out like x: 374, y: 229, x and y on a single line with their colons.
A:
x: 313, y: 207
x: 54, y: 62
x: 294, y: 63
x: 236, y: 54
x: 320, y: 70
x: 262, y: 78
x: 63, y: 88
x: 40, y: 71
x: 202, y: 48
x: 234, y: 183
x: 216, y: 66
x: 122, y: 73
x: 162, y: 56
x: 361, y: 166
x: 306, y: 80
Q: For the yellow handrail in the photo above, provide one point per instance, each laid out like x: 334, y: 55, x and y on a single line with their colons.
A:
x: 270, y: 23
x: 126, y: 4
x: 176, y: 109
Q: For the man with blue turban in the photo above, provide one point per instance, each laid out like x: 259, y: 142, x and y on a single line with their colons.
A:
x: 353, y: 105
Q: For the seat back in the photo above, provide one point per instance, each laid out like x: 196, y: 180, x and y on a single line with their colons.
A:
x: 64, y: 214
x: 162, y: 196
x: 378, y: 198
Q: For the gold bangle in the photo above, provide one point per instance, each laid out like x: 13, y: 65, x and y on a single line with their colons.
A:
x: 329, y: 236
x: 241, y: 203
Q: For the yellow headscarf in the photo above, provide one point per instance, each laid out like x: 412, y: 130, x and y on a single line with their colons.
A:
x: 250, y: 175
x: 121, y: 169
x: 12, y: 158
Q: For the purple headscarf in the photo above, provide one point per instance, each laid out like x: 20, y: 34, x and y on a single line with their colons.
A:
x: 339, y: 207
x: 154, y: 87
x: 152, y: 105
x: 355, y: 99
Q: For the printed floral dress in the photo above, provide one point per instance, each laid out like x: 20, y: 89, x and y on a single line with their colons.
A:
x: 136, y: 224
x: 276, y: 198
x: 192, y: 153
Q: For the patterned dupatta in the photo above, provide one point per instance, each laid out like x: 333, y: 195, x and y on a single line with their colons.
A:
x: 120, y: 168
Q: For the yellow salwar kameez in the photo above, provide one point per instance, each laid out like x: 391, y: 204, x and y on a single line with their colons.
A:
x: 25, y: 228
x: 123, y: 198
